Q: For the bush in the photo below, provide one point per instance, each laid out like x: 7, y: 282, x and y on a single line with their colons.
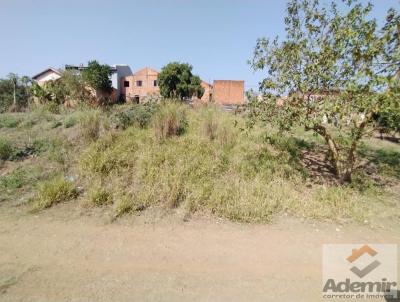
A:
x: 8, y: 121
x: 170, y: 120
x: 138, y: 115
x: 52, y: 192
x: 210, y: 126
x: 52, y: 107
x: 14, y: 180
x: 70, y: 121
x: 100, y: 196
x: 90, y: 126
x: 6, y: 149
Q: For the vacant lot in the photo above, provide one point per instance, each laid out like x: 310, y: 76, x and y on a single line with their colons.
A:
x: 143, y: 201
x: 129, y: 159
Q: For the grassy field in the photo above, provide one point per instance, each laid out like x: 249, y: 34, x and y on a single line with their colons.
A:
x: 128, y: 159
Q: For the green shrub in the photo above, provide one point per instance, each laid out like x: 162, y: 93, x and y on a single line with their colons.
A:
x: 14, y: 180
x: 8, y: 121
x: 100, y: 196
x: 90, y: 125
x: 170, y: 120
x: 19, y: 177
x: 52, y: 107
x: 6, y: 149
x: 123, y: 206
x: 70, y: 121
x: 53, y: 191
x: 138, y: 115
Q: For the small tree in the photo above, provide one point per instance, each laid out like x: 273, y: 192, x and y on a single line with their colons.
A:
x: 97, y: 76
x: 177, y: 81
x: 330, y: 66
x: 70, y: 86
x: 14, y: 92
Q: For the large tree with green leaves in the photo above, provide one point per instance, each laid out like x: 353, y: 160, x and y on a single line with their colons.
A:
x: 69, y: 87
x: 177, y: 81
x: 97, y: 76
x: 336, y: 70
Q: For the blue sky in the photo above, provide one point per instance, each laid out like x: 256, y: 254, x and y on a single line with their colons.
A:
x: 215, y: 36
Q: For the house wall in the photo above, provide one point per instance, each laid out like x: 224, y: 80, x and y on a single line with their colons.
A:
x: 147, y: 76
x: 121, y: 72
x: 226, y: 92
x: 207, y: 96
x: 47, y: 76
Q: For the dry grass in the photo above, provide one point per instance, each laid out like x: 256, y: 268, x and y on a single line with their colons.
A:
x: 170, y: 121
x: 53, y: 191
x: 188, y: 159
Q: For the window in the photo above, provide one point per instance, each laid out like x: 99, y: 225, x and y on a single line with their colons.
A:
x: 126, y: 83
x: 155, y: 83
x: 139, y: 83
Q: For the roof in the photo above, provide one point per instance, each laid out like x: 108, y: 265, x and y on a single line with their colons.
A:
x: 205, y: 83
x: 81, y: 67
x: 146, y: 70
x: 47, y: 70
x: 233, y: 81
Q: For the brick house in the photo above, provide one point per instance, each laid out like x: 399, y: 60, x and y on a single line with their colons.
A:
x: 140, y: 84
x: 227, y: 92
x: 143, y: 83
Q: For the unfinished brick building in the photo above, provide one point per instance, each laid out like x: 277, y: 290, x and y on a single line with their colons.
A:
x: 143, y: 83
x: 140, y: 84
x: 227, y: 92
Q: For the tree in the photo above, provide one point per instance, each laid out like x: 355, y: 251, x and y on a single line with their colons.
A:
x: 70, y: 86
x: 97, y: 76
x: 329, y: 67
x: 14, y: 80
x: 14, y: 92
x: 177, y: 81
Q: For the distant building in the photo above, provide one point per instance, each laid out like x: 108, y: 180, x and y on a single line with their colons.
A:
x: 135, y: 87
x: 144, y: 83
x: 118, y: 72
x: 49, y: 74
x: 140, y: 85
x: 227, y: 92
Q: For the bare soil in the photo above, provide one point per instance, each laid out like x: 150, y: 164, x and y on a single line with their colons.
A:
x: 63, y: 254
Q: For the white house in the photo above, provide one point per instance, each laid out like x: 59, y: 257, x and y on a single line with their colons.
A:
x: 49, y: 74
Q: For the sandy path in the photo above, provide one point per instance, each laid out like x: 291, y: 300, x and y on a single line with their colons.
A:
x: 45, y: 258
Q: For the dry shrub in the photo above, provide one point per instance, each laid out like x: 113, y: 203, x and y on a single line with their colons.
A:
x: 90, y: 125
x: 170, y: 120
x: 210, y: 126
x: 52, y: 192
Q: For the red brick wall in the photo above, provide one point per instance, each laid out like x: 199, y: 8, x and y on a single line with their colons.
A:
x: 147, y: 76
x: 228, y: 92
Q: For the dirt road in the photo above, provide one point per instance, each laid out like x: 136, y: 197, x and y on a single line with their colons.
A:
x: 80, y: 258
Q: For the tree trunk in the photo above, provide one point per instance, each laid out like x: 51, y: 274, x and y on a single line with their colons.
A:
x: 333, y: 149
x: 351, y: 157
x: 15, y: 97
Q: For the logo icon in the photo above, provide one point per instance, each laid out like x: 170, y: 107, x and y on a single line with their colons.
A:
x: 357, y: 253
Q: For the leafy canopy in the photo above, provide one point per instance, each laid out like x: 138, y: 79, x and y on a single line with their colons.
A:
x: 69, y: 87
x: 177, y: 81
x: 336, y: 70
x: 97, y: 76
